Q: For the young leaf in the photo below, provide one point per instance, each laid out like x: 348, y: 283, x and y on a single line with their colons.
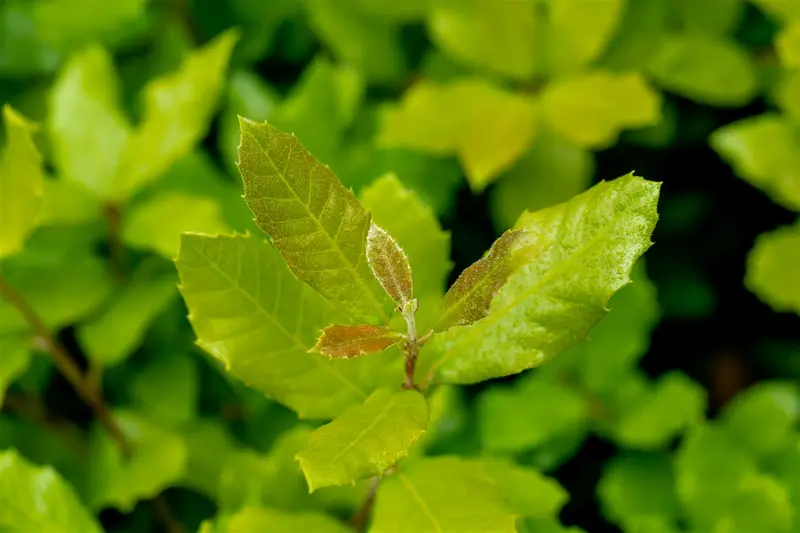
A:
x: 470, y: 297
x: 21, y: 182
x: 365, y: 440
x: 38, y: 499
x: 345, y: 342
x: 441, y: 494
x: 401, y: 212
x: 255, y: 317
x: 177, y: 110
x: 772, y: 268
x: 313, y: 220
x: 253, y: 519
x: 585, y: 249
x: 389, y: 263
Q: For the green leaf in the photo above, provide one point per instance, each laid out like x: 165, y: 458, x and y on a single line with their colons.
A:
x: 255, y: 519
x: 488, y: 127
x: 314, y: 221
x: 709, y: 17
x: 23, y: 53
x: 787, y: 45
x: 636, y: 487
x: 88, y: 131
x: 772, y: 272
x: 786, y: 95
x: 66, y: 203
x: 552, y: 171
x: 470, y: 297
x: 674, y: 404
x: 761, y: 504
x: 390, y: 265
x: 118, y: 330
x: 441, y: 494
x: 157, y: 224
x: 448, y: 420
x: 251, y: 314
x: 365, y: 440
x: 641, y: 28
x: 167, y: 389
x: 158, y: 461
x: 15, y: 358
x: 763, y: 416
x: 177, y: 110
x: 527, y: 492
x: 705, y: 69
x: 414, y: 225
x: 21, y: 182
x: 575, y: 33
x: 210, y: 446
x: 353, y: 341
x: 592, y: 108
x: 70, y: 23
x: 763, y: 150
x: 784, y: 465
x: 38, y: 499
x: 358, y: 37
x: 486, y: 34
x: 585, y: 251
x: 504, y: 427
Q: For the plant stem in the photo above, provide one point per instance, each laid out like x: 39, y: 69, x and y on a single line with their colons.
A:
x: 360, y: 519
x: 113, y: 216
x: 411, y: 346
x: 65, y: 364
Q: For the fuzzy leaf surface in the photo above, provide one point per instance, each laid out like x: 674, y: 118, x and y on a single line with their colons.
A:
x: 389, y: 263
x: 345, y: 342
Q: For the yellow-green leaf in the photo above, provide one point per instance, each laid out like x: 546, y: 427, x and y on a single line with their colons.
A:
x: 787, y: 44
x: 708, y: 17
x: 67, y: 202
x: 709, y: 70
x: 764, y: 150
x: 345, y: 342
x: 158, y: 223
x: 488, y: 127
x: 177, y: 110
x: 527, y: 492
x: 590, y: 109
x: 438, y: 495
x: 251, y: 314
x: 38, y: 499
x: 772, y: 269
x: 365, y: 440
x: 497, y: 36
x: 470, y: 297
x: 252, y: 519
x: 21, y: 182
x: 389, y: 263
x: 586, y: 248
x: 639, y: 32
x: 414, y: 225
x: 313, y: 220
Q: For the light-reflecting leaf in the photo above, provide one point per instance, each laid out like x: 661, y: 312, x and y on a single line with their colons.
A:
x: 157, y: 224
x: 88, y: 130
x: 441, y: 494
x: 389, y: 263
x: 15, y: 356
x: 787, y: 45
x: 38, y: 499
x: 167, y: 389
x: 352, y: 341
x: 772, y: 272
x: 314, y: 221
x: 497, y: 36
x: 21, y: 182
x: 158, y: 460
x: 177, y: 110
x: 552, y: 171
x: 591, y: 109
x: 585, y: 249
x: 488, y: 127
x: 470, y: 297
x: 365, y: 440
x: 251, y: 314
x: 253, y: 519
x: 763, y: 150
x: 419, y: 233
x: 117, y: 331
x: 705, y: 69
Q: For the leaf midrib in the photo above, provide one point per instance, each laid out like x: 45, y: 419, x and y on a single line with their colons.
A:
x: 383, y: 414
x: 418, y: 498
x: 331, y: 240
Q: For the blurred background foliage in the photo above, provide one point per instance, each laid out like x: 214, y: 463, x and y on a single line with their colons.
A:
x: 681, y: 412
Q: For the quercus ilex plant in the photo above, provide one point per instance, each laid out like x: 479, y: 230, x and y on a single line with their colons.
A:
x: 341, y: 314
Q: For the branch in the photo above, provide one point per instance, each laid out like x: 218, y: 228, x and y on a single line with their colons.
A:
x: 360, y: 519
x: 116, y: 249
x: 66, y: 365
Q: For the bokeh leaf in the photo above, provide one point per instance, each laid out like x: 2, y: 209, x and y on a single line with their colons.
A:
x: 772, y: 273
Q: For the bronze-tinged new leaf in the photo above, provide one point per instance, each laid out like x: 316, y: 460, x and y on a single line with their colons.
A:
x: 316, y: 223
x: 344, y: 342
x: 390, y: 265
x: 470, y: 297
